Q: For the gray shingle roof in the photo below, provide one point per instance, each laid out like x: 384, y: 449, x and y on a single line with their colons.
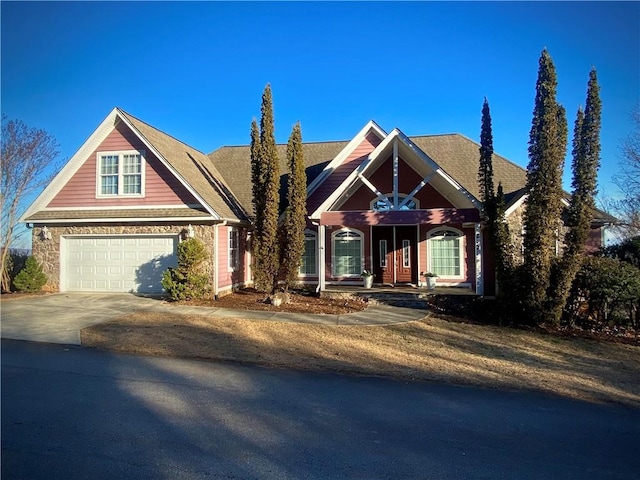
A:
x: 195, y: 168
x: 234, y: 163
x: 456, y: 154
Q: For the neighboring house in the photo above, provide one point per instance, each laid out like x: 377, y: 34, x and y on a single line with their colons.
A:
x: 112, y: 218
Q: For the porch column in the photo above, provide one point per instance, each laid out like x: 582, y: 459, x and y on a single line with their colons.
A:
x: 321, y: 258
x: 479, y: 272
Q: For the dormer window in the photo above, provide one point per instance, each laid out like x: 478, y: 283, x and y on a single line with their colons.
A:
x: 120, y: 174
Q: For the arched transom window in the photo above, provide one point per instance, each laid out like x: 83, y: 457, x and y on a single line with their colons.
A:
x: 446, y: 252
x: 380, y: 205
x: 347, y: 253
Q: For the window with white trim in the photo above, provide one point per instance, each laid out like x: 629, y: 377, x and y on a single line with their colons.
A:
x: 406, y: 253
x: 347, y: 253
x: 234, y: 248
x: 308, y: 265
x: 383, y: 253
x: 380, y: 205
x: 445, y: 252
x: 120, y: 174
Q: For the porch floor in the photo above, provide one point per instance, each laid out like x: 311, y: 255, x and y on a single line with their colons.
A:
x: 333, y: 290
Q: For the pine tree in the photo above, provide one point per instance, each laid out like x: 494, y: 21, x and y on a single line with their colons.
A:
x: 266, y: 197
x: 295, y: 214
x: 585, y: 164
x: 547, y: 149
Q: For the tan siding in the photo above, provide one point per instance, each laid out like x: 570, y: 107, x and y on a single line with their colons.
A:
x: 161, y: 187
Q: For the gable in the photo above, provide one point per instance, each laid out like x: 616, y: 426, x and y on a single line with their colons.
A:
x: 342, y: 171
x: 427, y: 197
x: 161, y: 187
x: 396, y: 145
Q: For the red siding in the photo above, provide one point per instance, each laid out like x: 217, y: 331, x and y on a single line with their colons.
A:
x: 226, y: 277
x: 338, y: 176
x: 408, y: 179
x: 161, y: 187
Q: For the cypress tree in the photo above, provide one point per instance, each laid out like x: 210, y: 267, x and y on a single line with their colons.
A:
x: 585, y: 164
x: 547, y: 149
x: 257, y: 187
x: 485, y: 173
x: 296, y: 212
x: 494, y: 210
x: 266, y: 176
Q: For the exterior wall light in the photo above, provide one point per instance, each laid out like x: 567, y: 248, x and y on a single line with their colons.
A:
x: 45, y: 234
x: 189, y: 232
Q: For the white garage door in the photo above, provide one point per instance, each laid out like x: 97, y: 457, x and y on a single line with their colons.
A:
x: 124, y: 263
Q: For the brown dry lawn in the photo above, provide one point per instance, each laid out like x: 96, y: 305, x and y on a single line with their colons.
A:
x: 432, y: 349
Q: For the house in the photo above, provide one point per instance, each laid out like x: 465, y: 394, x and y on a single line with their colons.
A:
x: 112, y: 218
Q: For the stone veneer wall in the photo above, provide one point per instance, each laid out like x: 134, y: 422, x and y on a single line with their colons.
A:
x: 47, y: 252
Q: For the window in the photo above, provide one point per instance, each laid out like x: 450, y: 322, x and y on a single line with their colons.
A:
x: 381, y: 206
x: 234, y: 250
x: 445, y: 253
x: 308, y: 264
x: 347, y: 253
x: 406, y: 253
x: 120, y: 173
x: 383, y: 253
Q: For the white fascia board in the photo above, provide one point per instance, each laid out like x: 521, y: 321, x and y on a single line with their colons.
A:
x: 193, y: 220
x: 515, y: 205
x: 353, y: 176
x: 371, y: 126
x: 169, y: 166
x: 438, y: 169
x: 73, y: 165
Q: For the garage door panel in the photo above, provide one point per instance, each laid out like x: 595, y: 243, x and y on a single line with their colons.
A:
x: 118, y: 264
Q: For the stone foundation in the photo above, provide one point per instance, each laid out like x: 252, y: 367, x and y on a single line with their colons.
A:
x: 47, y: 252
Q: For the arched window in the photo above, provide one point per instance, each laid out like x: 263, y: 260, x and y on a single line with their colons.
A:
x: 381, y: 206
x: 445, y: 249
x: 309, y: 264
x: 347, y: 253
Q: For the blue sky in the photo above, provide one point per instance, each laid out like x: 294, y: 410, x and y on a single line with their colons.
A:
x: 197, y: 70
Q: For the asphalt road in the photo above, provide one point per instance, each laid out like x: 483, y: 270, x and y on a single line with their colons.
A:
x: 75, y: 413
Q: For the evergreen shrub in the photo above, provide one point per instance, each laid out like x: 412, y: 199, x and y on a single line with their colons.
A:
x: 31, y: 278
x: 189, y: 281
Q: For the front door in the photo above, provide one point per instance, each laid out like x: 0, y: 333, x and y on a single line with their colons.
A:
x: 383, y: 254
x: 395, y: 256
x: 406, y: 254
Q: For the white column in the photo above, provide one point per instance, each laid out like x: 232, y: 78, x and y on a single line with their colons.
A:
x: 395, y: 174
x: 215, y: 261
x: 321, y: 258
x: 479, y: 271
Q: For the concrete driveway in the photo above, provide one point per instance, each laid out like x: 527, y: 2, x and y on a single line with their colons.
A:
x: 58, y: 318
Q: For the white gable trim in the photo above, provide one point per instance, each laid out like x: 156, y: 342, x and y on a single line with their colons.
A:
x: 73, y: 165
x: 88, y: 147
x: 370, y: 127
x: 169, y: 166
x: 395, y: 136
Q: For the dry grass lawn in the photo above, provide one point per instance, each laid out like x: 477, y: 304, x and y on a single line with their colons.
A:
x: 433, y: 349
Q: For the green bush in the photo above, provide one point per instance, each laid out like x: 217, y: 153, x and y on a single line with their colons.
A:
x: 31, y: 278
x: 189, y: 280
x: 606, y: 292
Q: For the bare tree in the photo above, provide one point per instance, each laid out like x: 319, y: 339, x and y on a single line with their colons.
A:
x: 27, y: 155
x: 628, y: 181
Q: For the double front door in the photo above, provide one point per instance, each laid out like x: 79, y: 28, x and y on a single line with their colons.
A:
x: 395, y: 256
